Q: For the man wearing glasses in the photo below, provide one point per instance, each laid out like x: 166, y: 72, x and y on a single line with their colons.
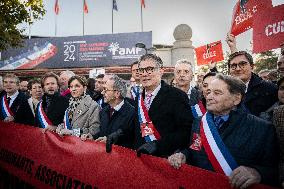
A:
x: 117, y: 117
x: 260, y: 94
x: 164, y: 113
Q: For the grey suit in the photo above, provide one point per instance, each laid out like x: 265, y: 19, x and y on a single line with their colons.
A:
x: 86, y: 116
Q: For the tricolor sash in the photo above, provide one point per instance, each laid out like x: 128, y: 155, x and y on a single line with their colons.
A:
x: 198, y: 110
x: 6, y: 111
x: 135, y: 90
x: 218, y: 154
x: 148, y: 130
x: 66, y: 120
x: 43, y: 119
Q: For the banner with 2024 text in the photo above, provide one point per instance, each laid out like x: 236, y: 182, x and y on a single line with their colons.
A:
x: 32, y: 159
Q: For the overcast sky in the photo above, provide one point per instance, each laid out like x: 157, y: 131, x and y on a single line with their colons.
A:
x: 209, y: 19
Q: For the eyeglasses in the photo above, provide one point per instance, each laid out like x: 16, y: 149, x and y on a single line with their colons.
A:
x: 147, y: 69
x: 241, y: 65
x: 105, y: 89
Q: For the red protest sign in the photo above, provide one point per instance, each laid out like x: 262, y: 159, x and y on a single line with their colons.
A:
x: 210, y: 52
x: 268, y: 29
x: 244, y: 12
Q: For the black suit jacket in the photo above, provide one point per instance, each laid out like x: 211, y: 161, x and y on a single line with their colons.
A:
x: 122, y: 119
x: 56, y: 109
x: 171, y: 115
x: 260, y: 95
x: 21, y: 110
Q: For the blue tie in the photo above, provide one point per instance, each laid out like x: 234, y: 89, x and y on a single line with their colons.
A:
x: 219, y: 121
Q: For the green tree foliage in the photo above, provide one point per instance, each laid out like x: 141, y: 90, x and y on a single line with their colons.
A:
x: 13, y: 13
x: 265, y: 60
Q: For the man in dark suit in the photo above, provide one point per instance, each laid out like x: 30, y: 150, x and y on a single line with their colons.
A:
x: 168, y: 124
x: 117, y: 117
x: 53, y: 105
x: 260, y: 95
x: 14, y: 104
x: 229, y: 140
x: 183, y: 76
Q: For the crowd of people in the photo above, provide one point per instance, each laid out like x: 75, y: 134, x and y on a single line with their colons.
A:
x: 231, y: 124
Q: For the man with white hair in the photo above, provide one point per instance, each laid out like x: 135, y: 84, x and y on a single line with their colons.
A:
x: 63, y: 82
x: 183, y: 76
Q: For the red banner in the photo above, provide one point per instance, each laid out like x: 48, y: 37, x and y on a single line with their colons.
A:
x: 268, y: 29
x: 32, y: 159
x: 210, y: 52
x: 244, y: 12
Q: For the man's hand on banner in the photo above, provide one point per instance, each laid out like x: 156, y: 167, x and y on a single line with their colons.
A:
x: 101, y: 139
x: 49, y: 128
x: 243, y: 177
x: 147, y: 148
x: 177, y: 159
x: 232, y: 43
x: 86, y: 136
x: 113, y: 139
x: 9, y: 119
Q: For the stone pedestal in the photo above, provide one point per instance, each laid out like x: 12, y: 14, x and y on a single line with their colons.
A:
x: 182, y: 48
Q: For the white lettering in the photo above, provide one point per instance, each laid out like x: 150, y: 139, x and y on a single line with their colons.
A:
x: 275, y: 28
x: 209, y: 55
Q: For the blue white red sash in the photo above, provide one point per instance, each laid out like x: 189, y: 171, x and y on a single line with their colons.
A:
x: 148, y: 130
x: 198, y: 110
x: 43, y: 119
x: 218, y: 154
x: 135, y: 90
x: 6, y: 111
x: 66, y: 120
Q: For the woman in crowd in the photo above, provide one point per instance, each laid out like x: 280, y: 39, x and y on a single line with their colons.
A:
x: 82, y: 115
x: 36, y: 92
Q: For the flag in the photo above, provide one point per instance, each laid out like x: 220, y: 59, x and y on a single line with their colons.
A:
x: 143, y: 3
x: 210, y: 52
x: 268, y: 29
x: 56, y: 7
x: 243, y: 14
x: 114, y: 5
x: 85, y: 7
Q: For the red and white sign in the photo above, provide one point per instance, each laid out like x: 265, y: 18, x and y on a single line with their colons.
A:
x: 243, y: 14
x: 268, y: 29
x: 210, y: 52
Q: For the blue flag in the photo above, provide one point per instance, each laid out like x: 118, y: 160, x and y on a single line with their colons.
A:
x: 114, y: 5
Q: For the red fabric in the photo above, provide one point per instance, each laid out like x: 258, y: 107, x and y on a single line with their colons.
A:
x: 25, y: 151
x: 86, y: 10
x: 268, y: 29
x: 242, y: 21
x: 56, y: 7
x: 210, y: 52
x: 143, y: 3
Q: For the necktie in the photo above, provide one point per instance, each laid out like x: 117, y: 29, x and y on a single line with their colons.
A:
x: 48, y: 100
x: 111, y: 111
x: 8, y: 100
x: 148, y: 101
x: 219, y: 121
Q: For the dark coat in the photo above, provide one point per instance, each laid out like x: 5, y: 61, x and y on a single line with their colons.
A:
x: 56, y: 109
x: 122, y: 119
x: 195, y: 96
x: 21, y: 110
x: 251, y: 141
x: 260, y: 95
x: 172, y: 117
